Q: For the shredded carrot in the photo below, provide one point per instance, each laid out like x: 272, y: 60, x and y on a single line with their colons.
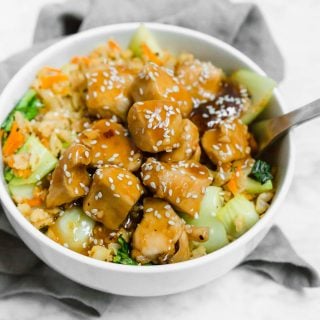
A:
x: 48, y: 81
x: 25, y: 173
x: 114, y: 45
x: 21, y: 173
x: 55, y: 79
x: 34, y: 202
x: 15, y: 140
x: 149, y: 55
x: 232, y: 185
x: 49, y: 69
x: 45, y: 141
x: 80, y: 60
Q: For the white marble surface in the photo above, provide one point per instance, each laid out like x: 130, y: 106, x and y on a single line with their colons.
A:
x: 240, y: 294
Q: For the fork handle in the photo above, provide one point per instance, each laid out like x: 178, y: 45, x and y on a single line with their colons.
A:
x: 268, y: 131
x: 303, y: 114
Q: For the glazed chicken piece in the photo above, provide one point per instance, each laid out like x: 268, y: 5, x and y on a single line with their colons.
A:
x: 108, y: 91
x: 231, y: 100
x: 183, y: 184
x: 155, y: 237
x: 113, y: 193
x: 155, y: 125
x: 201, y: 79
x: 227, y: 142
x: 158, y: 83
x: 110, y: 144
x: 189, y: 145
x: 70, y: 179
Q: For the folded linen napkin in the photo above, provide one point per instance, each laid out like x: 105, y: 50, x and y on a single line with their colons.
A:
x: 241, y: 25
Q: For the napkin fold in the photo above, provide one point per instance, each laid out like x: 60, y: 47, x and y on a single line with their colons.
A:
x: 243, y: 26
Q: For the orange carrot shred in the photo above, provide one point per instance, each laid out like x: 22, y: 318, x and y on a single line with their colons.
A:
x: 114, y: 45
x: 50, y: 77
x: 149, y: 55
x: 34, y: 202
x: 25, y: 173
x: 48, y: 81
x: 80, y: 59
x: 232, y: 185
x: 15, y: 140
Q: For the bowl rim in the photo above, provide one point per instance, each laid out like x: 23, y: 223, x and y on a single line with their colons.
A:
x: 37, y: 235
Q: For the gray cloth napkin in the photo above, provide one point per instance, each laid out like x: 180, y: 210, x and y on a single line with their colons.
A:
x: 241, y: 25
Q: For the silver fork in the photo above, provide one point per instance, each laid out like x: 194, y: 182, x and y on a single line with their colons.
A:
x: 268, y: 131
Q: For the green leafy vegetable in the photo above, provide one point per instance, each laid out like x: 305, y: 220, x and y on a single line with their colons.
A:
x: 261, y: 171
x: 41, y: 160
x: 238, y: 215
x: 254, y: 187
x: 8, y: 174
x: 29, y: 106
x: 123, y: 253
x: 74, y: 228
x: 22, y: 192
x: 260, y: 89
x: 143, y: 36
x: 210, y: 205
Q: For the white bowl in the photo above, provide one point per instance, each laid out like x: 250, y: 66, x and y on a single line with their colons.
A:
x: 148, y: 280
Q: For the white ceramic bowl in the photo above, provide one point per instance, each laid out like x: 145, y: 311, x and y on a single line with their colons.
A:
x: 150, y: 280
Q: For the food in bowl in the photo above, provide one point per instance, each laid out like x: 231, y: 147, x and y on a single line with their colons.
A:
x: 138, y: 156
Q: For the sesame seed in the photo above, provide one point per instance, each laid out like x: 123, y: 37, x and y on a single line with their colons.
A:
x: 67, y: 173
